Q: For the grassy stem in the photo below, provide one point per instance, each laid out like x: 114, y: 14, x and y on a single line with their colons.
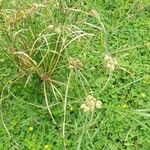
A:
x: 47, y: 104
x: 65, y: 108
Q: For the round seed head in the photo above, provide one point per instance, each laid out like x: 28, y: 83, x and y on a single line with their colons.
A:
x: 83, y: 106
x: 98, y: 104
x: 89, y: 97
x: 86, y: 109
x: 110, y: 62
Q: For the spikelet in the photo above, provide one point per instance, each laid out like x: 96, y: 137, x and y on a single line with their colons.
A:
x: 75, y: 63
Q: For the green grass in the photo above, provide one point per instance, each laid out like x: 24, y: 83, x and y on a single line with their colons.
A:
x: 53, y: 55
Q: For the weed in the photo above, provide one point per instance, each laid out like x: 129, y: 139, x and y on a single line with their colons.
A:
x: 74, y: 74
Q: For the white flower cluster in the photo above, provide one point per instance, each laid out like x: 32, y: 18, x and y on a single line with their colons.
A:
x: 110, y: 62
x: 90, y: 104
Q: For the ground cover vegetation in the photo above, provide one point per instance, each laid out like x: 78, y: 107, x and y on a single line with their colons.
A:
x: 75, y: 74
